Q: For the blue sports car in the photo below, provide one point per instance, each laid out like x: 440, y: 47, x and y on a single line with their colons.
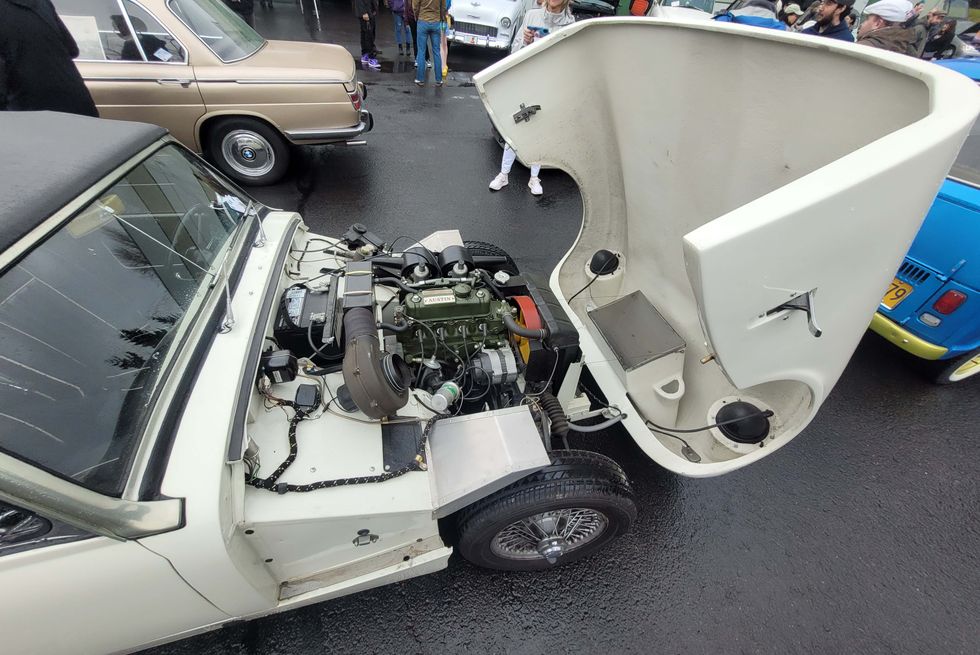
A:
x: 932, y: 307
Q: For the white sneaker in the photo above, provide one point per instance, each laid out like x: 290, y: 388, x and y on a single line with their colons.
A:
x: 499, y: 182
x: 534, y: 184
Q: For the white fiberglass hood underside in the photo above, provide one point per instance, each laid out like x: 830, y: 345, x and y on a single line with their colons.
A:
x: 734, y: 170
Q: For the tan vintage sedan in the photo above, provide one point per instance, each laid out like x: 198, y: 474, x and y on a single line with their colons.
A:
x: 195, y: 68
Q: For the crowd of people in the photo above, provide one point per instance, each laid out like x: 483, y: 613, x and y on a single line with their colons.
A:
x: 893, y: 25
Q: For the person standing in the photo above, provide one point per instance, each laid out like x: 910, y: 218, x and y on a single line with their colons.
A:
x: 444, y: 39
x: 430, y: 13
x: 402, y: 32
x: 367, y: 12
x: 36, y: 68
x: 552, y: 16
x: 830, y: 21
x: 884, y: 27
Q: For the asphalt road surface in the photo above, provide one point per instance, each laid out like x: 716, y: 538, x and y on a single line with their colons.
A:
x: 862, y: 535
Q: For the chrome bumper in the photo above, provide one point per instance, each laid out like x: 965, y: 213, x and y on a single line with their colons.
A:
x: 300, y: 137
x: 483, y: 41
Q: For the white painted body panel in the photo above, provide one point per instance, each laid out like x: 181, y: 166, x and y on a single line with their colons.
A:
x: 94, y: 596
x: 721, y: 221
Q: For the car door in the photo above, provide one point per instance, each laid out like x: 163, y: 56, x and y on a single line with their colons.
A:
x: 133, y: 66
x: 69, y: 590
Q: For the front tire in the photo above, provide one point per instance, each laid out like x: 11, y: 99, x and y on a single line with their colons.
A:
x: 248, y: 151
x: 563, y: 513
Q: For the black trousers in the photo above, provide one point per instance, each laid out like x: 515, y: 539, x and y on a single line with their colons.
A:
x: 368, y: 28
x: 414, y: 26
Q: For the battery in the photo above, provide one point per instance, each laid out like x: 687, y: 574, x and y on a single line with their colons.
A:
x: 308, y: 315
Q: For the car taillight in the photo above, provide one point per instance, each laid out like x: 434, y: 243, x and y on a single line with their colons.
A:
x: 355, y: 99
x: 949, y: 302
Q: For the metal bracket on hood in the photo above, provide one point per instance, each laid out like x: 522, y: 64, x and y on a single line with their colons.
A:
x: 526, y: 112
x: 803, y: 303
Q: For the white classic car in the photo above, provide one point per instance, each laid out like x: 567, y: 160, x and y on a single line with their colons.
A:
x: 487, y: 23
x: 208, y: 413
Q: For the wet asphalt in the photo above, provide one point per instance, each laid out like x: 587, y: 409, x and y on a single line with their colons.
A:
x: 862, y: 535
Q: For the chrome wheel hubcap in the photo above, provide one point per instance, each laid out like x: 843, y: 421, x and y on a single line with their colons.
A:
x: 248, y: 153
x: 549, y: 535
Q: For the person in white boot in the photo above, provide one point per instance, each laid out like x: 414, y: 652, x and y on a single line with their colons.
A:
x: 550, y: 17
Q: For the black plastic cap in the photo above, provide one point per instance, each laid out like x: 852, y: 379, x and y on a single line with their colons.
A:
x: 603, y: 262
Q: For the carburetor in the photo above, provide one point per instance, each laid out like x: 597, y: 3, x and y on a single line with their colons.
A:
x: 458, y: 317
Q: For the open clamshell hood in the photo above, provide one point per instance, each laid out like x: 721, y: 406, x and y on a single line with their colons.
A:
x: 735, y: 170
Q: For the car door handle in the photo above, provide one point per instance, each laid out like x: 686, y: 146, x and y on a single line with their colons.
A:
x: 174, y: 82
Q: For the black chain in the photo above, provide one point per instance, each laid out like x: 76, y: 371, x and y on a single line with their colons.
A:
x: 270, y: 483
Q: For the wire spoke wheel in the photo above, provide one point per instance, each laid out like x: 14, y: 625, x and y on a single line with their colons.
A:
x: 549, y: 534
x: 566, y: 511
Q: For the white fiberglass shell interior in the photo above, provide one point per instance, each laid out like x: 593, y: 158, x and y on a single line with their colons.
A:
x: 720, y: 216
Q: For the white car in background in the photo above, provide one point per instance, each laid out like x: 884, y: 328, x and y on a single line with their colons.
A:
x: 487, y: 23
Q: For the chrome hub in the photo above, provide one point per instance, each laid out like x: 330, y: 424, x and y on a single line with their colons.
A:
x: 248, y: 153
x: 549, y: 535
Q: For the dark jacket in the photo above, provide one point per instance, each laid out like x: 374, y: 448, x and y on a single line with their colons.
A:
x: 839, y: 31
x: 894, y: 39
x: 369, y: 7
x: 429, y: 11
x: 36, y: 67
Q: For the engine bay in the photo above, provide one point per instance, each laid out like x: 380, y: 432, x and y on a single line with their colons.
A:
x: 443, y: 328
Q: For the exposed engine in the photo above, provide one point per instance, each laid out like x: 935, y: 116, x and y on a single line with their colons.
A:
x: 449, y: 318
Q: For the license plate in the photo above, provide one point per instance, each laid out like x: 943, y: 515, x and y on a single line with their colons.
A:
x: 471, y: 40
x: 897, y: 292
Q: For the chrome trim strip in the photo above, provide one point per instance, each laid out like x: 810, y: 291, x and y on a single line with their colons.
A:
x: 280, y: 81
x: 126, y: 61
x: 968, y: 183
x: 52, y: 497
x: 159, y: 80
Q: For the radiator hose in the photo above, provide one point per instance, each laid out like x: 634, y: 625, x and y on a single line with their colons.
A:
x: 378, y: 382
x: 556, y: 414
x: 528, y: 333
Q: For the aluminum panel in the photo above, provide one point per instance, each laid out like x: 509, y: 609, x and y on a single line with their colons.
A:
x: 474, y: 456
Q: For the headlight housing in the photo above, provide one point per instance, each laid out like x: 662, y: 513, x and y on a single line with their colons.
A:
x: 505, y: 22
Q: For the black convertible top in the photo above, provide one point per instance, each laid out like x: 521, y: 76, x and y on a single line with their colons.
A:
x: 50, y: 158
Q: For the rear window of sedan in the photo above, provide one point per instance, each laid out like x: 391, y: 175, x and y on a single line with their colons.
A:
x: 218, y: 27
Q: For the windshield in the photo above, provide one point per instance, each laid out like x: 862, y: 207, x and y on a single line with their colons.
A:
x: 967, y: 165
x: 221, y: 29
x: 91, y: 319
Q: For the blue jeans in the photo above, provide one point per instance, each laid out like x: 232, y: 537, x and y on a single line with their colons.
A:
x: 401, y: 29
x: 428, y: 32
